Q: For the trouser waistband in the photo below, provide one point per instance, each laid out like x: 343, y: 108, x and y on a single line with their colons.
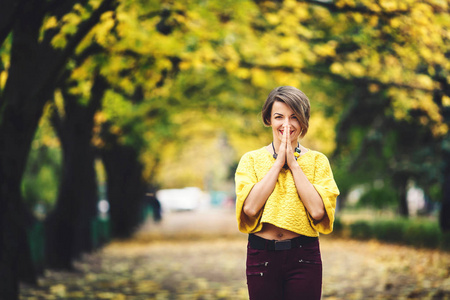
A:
x: 259, y: 243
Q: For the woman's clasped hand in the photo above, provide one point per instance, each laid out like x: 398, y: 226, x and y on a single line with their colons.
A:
x: 285, y: 151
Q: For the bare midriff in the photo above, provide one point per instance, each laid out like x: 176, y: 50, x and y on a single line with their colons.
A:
x: 272, y: 232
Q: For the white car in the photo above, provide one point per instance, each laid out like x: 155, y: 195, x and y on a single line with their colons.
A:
x: 188, y: 198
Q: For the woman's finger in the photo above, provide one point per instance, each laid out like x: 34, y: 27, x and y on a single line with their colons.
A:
x: 282, y: 148
x: 288, y: 141
x: 290, y: 158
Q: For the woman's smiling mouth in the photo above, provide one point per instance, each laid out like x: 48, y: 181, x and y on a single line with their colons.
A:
x: 282, y: 131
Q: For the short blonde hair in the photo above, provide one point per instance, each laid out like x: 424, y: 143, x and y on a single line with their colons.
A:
x: 292, y: 97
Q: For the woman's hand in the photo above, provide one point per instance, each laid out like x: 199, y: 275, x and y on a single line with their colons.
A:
x: 281, y: 158
x: 290, y: 158
x: 285, y: 152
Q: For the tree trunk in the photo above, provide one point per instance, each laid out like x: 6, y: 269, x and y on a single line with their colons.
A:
x: 34, y: 68
x: 18, y: 122
x: 9, y: 11
x: 444, y: 215
x: 402, y: 192
x: 125, y: 187
x: 68, y: 228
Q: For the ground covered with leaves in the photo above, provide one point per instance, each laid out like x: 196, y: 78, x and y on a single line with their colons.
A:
x: 199, y: 255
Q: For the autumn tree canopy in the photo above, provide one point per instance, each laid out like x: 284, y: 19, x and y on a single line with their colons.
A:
x: 179, y: 85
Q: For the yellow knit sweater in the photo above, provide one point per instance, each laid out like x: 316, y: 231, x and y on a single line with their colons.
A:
x: 284, y: 208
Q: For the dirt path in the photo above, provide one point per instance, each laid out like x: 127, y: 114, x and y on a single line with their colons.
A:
x: 201, y: 256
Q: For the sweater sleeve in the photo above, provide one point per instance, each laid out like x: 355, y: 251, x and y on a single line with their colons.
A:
x: 326, y: 187
x: 245, y: 179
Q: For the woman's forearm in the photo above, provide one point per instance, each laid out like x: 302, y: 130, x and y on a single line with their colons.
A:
x: 308, y: 194
x: 261, y: 192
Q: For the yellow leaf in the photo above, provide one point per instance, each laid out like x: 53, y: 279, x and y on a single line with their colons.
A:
x: 325, y: 49
x: 446, y: 101
x: 424, y: 81
x: 3, y: 77
x: 105, y: 295
x: 273, y: 19
x: 336, y: 68
x: 119, y: 297
x: 58, y: 290
x: 59, y: 40
x: 358, y: 18
x: 395, y: 23
x: 147, y: 286
x: 242, y: 73
x: 355, y: 68
x: 51, y: 22
x: 259, y: 78
x: 231, y: 66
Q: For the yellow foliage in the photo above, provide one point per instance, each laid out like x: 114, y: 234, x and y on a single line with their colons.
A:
x: 231, y: 66
x: 424, y: 81
x: 224, y: 36
x: 83, y: 89
x: 242, y: 73
x: 404, y: 101
x: 373, y: 21
x: 50, y: 22
x: 147, y: 286
x: 359, y: 18
x: 59, y: 40
x: 446, y: 101
x: 389, y: 5
x: 327, y: 49
x: 3, y: 78
x: 185, y: 65
x: 286, y: 78
x: 337, y: 68
x: 395, y: 22
x: 103, y: 28
x: 58, y: 290
x: 201, y: 255
x: 440, y: 129
x: 273, y: 19
x: 119, y: 297
x: 259, y: 77
x: 59, y: 103
x: 321, y: 133
x: 342, y: 3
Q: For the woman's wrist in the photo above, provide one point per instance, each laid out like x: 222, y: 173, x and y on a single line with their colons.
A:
x: 295, y: 167
x: 278, y: 164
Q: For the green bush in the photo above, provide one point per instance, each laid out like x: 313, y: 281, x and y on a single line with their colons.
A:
x: 388, y: 230
x: 417, y: 233
x: 338, y: 227
x: 379, y: 198
x: 422, y: 235
x: 360, y: 230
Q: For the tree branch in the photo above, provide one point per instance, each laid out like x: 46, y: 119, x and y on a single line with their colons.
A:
x: 54, y: 60
x: 332, y: 7
x: 337, y: 77
x: 84, y: 29
x: 9, y: 10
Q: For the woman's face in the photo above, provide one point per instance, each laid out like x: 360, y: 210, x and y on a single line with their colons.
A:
x: 283, y: 115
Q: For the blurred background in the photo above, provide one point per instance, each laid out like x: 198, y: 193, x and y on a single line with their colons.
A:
x: 117, y: 113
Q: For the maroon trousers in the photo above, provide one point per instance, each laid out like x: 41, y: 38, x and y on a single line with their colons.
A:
x: 290, y: 274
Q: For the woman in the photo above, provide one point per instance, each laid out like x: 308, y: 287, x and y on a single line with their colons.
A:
x: 286, y: 195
